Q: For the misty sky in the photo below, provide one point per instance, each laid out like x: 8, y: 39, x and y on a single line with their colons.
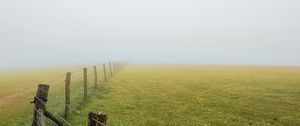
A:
x: 56, y: 32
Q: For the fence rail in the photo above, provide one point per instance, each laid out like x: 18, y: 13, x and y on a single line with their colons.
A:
x: 58, y: 108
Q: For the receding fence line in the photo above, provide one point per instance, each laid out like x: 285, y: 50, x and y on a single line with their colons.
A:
x: 41, y: 99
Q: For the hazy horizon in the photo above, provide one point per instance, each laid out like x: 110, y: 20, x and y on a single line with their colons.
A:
x: 51, y: 33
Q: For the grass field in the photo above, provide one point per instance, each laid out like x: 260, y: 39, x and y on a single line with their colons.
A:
x: 182, y: 95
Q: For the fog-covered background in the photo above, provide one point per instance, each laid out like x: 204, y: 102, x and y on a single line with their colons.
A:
x: 58, y: 32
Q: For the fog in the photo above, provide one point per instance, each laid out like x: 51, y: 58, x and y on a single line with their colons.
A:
x: 36, y: 33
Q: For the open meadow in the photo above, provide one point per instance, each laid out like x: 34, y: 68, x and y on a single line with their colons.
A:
x: 166, y: 95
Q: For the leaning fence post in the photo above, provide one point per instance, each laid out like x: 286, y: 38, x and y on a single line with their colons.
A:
x: 85, y: 83
x: 67, y: 94
x: 97, y: 119
x: 40, y: 101
x: 96, y: 77
x: 104, y: 70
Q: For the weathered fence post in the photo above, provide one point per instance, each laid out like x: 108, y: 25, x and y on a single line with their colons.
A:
x: 97, y: 119
x: 96, y: 77
x: 104, y: 72
x: 40, y: 118
x: 84, y: 83
x: 40, y: 101
x: 67, y: 94
x: 111, y: 74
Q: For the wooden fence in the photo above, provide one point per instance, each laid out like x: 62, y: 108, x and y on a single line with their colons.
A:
x: 43, y: 112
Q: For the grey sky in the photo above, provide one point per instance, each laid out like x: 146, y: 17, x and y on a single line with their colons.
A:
x: 37, y: 32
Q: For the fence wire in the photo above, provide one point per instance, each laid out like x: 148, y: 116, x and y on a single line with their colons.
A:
x: 56, y: 96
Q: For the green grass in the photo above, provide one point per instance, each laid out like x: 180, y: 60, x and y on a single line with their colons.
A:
x: 190, y: 96
x: 201, y: 95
